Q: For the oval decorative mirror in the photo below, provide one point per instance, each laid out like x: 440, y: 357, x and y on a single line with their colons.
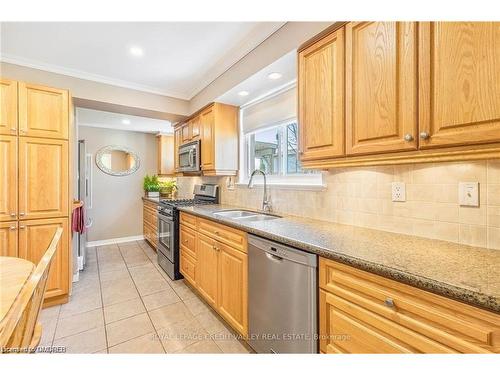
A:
x: 117, y: 160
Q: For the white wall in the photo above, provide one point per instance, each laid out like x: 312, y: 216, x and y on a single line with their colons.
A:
x: 116, y: 202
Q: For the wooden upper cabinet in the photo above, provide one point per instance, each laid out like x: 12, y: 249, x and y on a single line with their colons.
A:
x: 195, y: 127
x: 43, y: 178
x: 206, y: 268
x: 43, y: 111
x: 8, y: 173
x: 34, y: 239
x: 186, y: 133
x: 321, y: 98
x: 177, y: 143
x: 8, y: 107
x: 207, y: 139
x: 459, y: 83
x: 166, y: 155
x: 381, y: 87
x: 8, y: 239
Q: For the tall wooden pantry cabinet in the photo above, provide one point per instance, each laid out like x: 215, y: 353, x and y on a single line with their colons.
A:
x: 35, y: 178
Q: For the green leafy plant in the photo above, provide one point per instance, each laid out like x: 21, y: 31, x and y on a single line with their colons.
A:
x: 168, y: 186
x: 151, y: 183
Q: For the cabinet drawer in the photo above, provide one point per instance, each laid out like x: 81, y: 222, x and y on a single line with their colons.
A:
x: 188, y: 240
x: 188, y: 267
x: 227, y: 235
x: 457, y: 326
x: 188, y: 220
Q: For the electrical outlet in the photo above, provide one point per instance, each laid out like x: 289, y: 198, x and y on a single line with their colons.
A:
x: 398, y: 192
x: 468, y: 194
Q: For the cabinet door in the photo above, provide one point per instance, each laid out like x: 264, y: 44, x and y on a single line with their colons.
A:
x: 177, y: 143
x: 8, y: 239
x: 381, y: 87
x: 233, y: 287
x: 43, y: 111
x: 186, y: 133
x: 166, y: 155
x: 8, y: 173
x: 206, y: 268
x: 8, y: 107
x: 207, y: 139
x: 321, y: 98
x: 34, y: 239
x: 459, y: 80
x: 195, y: 127
x: 43, y: 178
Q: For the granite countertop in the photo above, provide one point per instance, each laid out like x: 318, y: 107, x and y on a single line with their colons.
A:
x: 155, y: 200
x: 465, y: 273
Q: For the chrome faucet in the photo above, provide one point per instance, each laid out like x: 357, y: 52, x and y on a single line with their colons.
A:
x: 266, y: 201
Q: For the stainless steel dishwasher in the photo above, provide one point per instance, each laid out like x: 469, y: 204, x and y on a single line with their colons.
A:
x: 282, y: 289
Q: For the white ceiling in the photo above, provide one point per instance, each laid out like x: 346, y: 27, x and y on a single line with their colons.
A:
x: 259, y: 84
x: 110, y: 120
x: 180, y: 58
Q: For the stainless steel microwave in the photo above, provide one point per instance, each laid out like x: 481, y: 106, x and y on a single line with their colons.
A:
x: 189, y: 157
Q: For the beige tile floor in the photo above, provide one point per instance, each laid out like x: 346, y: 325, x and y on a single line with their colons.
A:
x: 124, y: 303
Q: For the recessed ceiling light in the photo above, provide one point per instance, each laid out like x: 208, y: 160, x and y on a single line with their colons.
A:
x: 126, y: 121
x: 243, y: 93
x: 136, y: 51
x: 274, y: 75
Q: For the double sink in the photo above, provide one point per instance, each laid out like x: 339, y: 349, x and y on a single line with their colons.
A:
x: 246, y: 215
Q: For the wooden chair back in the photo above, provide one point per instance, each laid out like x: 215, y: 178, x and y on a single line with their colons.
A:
x: 21, y: 334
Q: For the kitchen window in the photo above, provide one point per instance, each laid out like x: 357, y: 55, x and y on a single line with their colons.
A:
x: 269, y: 142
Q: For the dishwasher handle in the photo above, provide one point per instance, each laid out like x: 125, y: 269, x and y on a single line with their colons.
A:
x: 282, y: 252
x: 274, y: 258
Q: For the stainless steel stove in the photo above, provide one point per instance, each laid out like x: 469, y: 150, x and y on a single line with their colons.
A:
x: 168, y: 226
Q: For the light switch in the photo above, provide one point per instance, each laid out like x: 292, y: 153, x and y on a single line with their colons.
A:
x: 468, y: 194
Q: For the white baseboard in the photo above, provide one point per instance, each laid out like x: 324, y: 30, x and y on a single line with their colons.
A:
x: 114, y: 240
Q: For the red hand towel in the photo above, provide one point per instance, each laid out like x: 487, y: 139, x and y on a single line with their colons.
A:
x: 78, y: 221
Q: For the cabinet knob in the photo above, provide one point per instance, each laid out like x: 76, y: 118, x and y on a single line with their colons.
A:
x: 408, y: 137
x: 425, y: 135
x: 13, y: 214
x: 13, y: 129
x: 216, y: 232
x: 21, y: 213
x: 22, y: 227
x: 389, y: 302
x: 13, y: 228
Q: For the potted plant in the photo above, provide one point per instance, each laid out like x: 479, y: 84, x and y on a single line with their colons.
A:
x: 151, y: 186
x: 167, y: 188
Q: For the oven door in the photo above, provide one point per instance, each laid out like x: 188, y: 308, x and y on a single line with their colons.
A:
x: 166, y: 236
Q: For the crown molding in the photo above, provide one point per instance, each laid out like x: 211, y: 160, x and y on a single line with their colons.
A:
x: 16, y: 60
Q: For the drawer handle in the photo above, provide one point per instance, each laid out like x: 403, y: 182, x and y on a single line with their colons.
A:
x: 22, y: 227
x: 216, y: 232
x: 21, y: 213
x: 13, y: 228
x: 13, y: 214
x: 389, y: 302
x: 185, y: 241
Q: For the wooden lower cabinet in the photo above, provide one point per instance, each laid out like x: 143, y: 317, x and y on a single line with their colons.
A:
x: 150, y: 223
x: 233, y: 286
x: 34, y: 239
x: 217, y: 270
x: 361, y: 312
x: 8, y: 239
x: 207, y: 272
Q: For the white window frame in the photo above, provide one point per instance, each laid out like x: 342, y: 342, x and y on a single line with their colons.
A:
x: 299, y: 181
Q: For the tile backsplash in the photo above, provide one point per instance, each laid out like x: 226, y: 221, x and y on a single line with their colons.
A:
x: 362, y: 197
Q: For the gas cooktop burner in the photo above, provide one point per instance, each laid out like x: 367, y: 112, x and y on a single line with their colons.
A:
x: 183, y: 202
